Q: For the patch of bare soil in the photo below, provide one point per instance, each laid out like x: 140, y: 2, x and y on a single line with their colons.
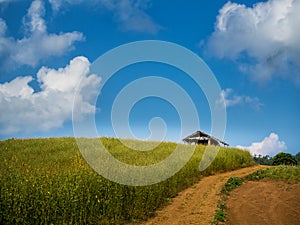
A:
x: 197, y: 204
x: 265, y: 202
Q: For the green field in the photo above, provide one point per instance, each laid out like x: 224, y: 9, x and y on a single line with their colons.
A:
x: 46, y: 181
x: 281, y: 172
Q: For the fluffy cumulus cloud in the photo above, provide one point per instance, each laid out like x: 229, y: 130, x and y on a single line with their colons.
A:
x: 24, y: 110
x: 37, y: 44
x: 268, y: 146
x: 130, y: 14
x: 229, y: 99
x: 264, y: 39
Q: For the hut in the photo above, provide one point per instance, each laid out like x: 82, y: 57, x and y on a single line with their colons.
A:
x: 200, y: 137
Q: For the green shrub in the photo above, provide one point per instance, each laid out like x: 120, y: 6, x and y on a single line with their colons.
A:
x: 232, y: 183
x: 220, y: 216
x: 284, y: 159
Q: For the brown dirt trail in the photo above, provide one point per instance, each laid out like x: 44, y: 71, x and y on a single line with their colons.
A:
x: 197, y: 204
x: 267, y: 202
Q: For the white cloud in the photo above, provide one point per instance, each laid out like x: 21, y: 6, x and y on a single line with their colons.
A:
x: 228, y: 99
x: 132, y: 16
x: 129, y: 14
x: 269, y: 146
x: 23, y: 110
x: 57, y: 4
x: 33, y: 20
x: 3, y: 27
x: 6, y: 1
x: 37, y: 44
x: 264, y: 38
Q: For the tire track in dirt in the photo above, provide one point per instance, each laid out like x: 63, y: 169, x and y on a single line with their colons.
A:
x: 197, y: 204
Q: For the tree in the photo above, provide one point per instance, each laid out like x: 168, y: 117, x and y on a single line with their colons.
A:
x: 284, y: 159
x: 297, y: 157
x: 263, y: 160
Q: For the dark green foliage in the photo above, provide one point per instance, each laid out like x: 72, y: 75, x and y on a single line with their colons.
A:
x: 263, y: 160
x: 297, y: 157
x: 268, y: 160
x: 284, y: 159
x: 46, y: 181
x: 220, y: 216
x: 232, y: 183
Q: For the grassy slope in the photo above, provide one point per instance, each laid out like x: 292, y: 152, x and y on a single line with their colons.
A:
x: 44, y: 181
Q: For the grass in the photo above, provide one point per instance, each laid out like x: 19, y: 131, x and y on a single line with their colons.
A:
x: 46, y: 181
x: 282, y: 172
x: 279, y: 172
x: 231, y: 184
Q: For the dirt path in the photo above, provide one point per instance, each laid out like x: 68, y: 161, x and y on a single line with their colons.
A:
x: 197, y: 204
x: 265, y: 202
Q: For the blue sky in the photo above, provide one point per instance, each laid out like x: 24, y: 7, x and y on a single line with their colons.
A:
x: 252, y: 47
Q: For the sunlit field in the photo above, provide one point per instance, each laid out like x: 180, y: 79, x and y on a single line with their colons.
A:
x: 46, y: 181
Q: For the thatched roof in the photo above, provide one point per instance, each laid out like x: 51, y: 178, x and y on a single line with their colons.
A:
x: 199, y: 135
